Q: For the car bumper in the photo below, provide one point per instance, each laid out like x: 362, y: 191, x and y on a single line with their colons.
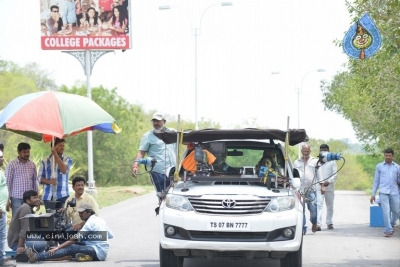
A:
x: 213, y: 239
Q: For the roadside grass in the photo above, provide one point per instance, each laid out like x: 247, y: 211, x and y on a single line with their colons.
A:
x: 107, y: 196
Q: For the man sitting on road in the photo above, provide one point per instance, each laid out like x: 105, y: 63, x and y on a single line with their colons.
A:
x: 78, y: 185
x: 16, y: 236
x: 93, y: 249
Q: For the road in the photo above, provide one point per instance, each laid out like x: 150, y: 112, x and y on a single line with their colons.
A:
x: 352, y: 243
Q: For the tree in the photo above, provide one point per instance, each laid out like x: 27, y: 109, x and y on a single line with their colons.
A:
x: 112, y: 153
x: 16, y: 81
x: 368, y: 93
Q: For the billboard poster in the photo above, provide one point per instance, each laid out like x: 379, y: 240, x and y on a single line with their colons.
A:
x: 85, y: 24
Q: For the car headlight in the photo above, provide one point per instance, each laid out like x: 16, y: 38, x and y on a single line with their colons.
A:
x: 278, y: 204
x: 177, y: 202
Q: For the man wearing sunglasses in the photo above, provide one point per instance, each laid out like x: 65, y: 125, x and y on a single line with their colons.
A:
x: 54, y: 23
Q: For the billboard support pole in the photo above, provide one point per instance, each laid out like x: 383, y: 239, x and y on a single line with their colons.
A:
x: 87, y: 59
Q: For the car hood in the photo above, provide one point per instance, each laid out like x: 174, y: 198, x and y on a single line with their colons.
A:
x: 212, y: 188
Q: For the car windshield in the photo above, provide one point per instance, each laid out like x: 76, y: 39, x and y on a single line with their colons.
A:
x: 231, y: 157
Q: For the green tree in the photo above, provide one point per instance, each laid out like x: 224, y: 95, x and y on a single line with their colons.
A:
x: 369, y: 163
x: 351, y: 175
x: 368, y: 92
x: 112, y: 153
x: 16, y: 81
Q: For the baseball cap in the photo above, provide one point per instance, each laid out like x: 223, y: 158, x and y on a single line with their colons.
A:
x: 84, y: 206
x: 158, y: 116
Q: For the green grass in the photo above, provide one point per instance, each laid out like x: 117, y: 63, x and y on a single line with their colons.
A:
x: 107, y: 196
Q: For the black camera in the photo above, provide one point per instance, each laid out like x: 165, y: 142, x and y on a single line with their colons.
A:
x: 54, y: 219
x: 49, y: 227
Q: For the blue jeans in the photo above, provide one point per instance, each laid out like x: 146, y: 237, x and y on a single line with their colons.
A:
x: 15, y: 204
x: 36, y: 246
x: 158, y: 181
x: 312, y: 207
x: 62, y: 200
x: 390, y: 211
x: 3, y: 235
x: 71, y: 250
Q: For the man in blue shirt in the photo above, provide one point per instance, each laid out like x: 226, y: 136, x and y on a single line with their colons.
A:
x: 386, y: 178
x: 164, y: 154
x: 54, y: 174
x: 95, y: 234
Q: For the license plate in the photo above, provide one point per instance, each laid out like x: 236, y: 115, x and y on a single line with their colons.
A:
x: 228, y: 226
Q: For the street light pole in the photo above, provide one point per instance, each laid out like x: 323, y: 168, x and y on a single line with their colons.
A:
x: 196, y: 32
x: 300, y: 90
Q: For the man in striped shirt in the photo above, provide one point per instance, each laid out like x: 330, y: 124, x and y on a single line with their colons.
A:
x: 20, y: 176
x: 55, y: 186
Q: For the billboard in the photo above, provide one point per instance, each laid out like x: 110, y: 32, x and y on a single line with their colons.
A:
x: 85, y: 24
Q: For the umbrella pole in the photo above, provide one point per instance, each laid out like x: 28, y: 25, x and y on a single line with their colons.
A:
x: 53, y: 172
x: 90, y: 59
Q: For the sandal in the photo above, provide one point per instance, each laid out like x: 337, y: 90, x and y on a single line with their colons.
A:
x: 314, y: 227
x: 388, y: 234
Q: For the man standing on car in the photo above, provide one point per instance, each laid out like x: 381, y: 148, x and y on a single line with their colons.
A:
x: 326, y: 189
x: 306, y: 167
x: 163, y: 154
x: 386, y: 176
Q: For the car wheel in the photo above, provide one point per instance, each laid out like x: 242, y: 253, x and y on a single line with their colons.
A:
x: 293, y: 259
x: 169, y: 259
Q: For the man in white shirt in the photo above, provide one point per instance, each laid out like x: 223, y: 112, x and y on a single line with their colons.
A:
x: 95, y: 233
x: 326, y: 190
x: 306, y: 167
x: 78, y: 185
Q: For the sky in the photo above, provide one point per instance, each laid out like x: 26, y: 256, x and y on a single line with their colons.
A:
x: 238, y: 49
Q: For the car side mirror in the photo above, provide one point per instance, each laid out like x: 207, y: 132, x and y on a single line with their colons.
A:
x: 296, y: 182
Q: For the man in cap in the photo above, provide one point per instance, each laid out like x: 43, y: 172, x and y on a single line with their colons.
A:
x: 54, y: 174
x: 163, y: 154
x: 20, y: 176
x: 95, y: 233
x: 78, y: 185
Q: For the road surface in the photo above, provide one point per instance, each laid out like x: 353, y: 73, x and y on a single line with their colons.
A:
x: 352, y: 243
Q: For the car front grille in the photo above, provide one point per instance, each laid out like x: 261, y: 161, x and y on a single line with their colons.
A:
x: 232, y: 236
x: 242, y: 206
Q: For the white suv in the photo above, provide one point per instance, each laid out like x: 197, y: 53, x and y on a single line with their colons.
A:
x: 234, y: 200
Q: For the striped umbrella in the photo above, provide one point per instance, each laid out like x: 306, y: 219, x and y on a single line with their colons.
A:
x: 49, y: 114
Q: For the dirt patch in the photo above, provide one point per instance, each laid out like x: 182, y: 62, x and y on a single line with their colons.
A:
x: 131, y: 190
